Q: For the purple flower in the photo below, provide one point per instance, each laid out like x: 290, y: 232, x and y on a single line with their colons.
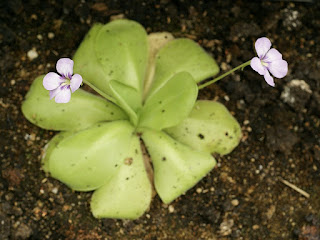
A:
x: 270, y: 60
x: 60, y: 87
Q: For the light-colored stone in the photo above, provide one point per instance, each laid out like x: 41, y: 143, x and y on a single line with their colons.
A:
x: 54, y: 190
x: 286, y: 95
x: 32, y: 54
x: 171, y: 209
x: 235, y: 202
x: 255, y: 227
x: 50, y: 35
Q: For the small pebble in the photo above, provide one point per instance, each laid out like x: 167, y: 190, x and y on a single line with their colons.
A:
x: 34, y: 17
x: 224, y: 66
x: 235, y: 202
x: 296, y: 94
x: 171, y: 209
x: 226, y: 227
x: 270, y: 211
x: 23, y: 232
x: 54, y: 190
x: 39, y: 36
x: 115, y: 17
x: 50, y: 35
x: 199, y: 190
x: 9, y: 196
x: 32, y: 54
x: 246, y: 122
x: 255, y: 227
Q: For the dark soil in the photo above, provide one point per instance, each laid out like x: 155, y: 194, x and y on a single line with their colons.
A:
x: 244, y: 197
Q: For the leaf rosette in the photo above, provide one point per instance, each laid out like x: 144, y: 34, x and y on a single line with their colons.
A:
x: 148, y: 97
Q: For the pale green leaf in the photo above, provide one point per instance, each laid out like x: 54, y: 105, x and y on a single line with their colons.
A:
x: 87, y: 65
x: 156, y: 41
x: 170, y: 104
x: 209, y: 127
x: 128, y: 193
x: 47, y: 150
x: 125, y: 95
x: 122, y: 49
x: 83, y: 110
x: 89, y: 158
x: 182, y: 55
x: 177, y: 167
x: 116, y: 51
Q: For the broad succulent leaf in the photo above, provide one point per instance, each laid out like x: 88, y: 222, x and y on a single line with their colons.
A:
x: 83, y: 110
x: 87, y: 65
x: 89, y: 158
x: 51, y: 147
x: 125, y: 95
x: 210, y: 127
x: 122, y: 49
x: 170, y: 104
x: 182, y: 55
x: 177, y: 167
x: 116, y: 51
x: 156, y: 41
x: 128, y: 193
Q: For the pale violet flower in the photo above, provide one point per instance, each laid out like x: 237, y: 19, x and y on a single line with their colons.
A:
x: 268, y: 60
x: 61, y: 86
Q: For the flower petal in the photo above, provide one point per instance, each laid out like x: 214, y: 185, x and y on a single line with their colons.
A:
x: 54, y: 92
x: 278, y: 68
x: 269, y: 79
x: 262, y: 46
x: 272, y: 55
x: 52, y: 80
x: 65, y: 67
x: 257, y: 66
x: 64, y: 95
x: 75, y: 82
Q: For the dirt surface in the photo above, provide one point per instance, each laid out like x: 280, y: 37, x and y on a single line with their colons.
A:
x: 245, y: 196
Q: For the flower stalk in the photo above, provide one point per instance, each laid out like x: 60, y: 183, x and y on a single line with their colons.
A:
x: 242, y: 66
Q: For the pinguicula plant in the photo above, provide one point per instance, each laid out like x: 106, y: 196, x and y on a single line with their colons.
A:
x: 148, y: 87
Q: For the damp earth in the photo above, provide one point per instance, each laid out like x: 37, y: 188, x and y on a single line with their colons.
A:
x: 267, y: 188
